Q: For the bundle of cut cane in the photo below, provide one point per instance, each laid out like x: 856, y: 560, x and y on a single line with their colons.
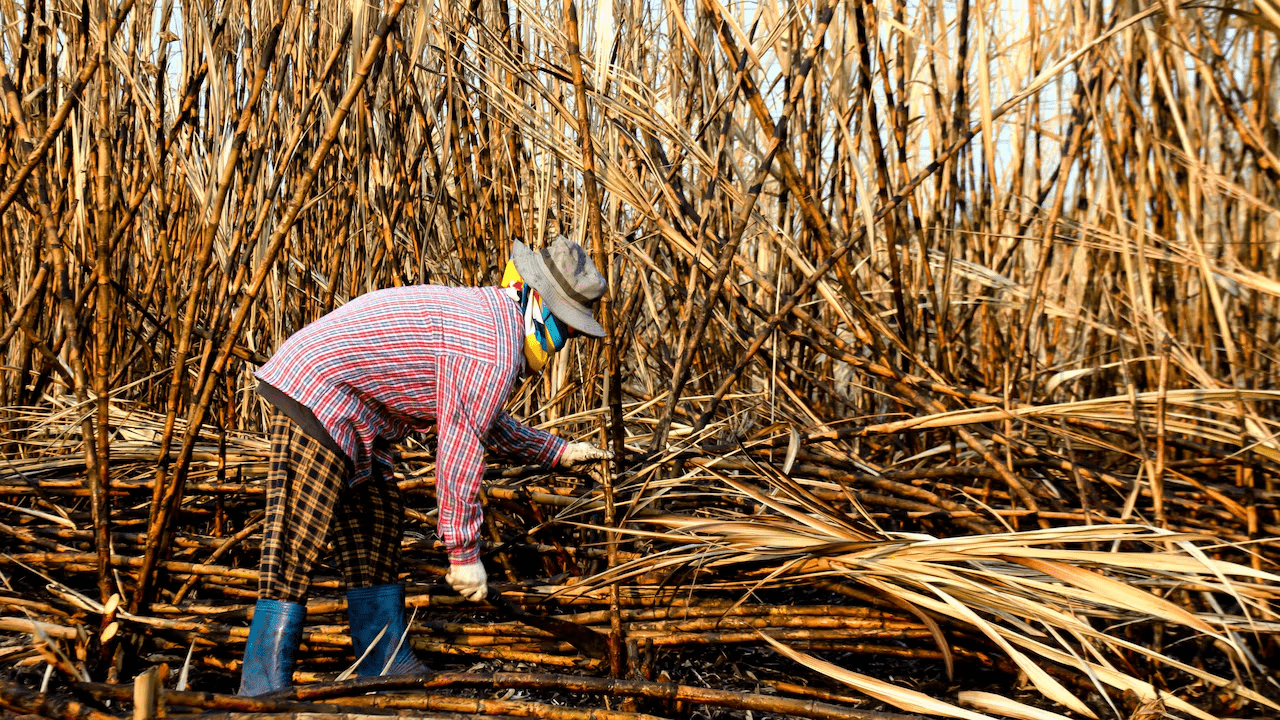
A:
x: 1049, y: 598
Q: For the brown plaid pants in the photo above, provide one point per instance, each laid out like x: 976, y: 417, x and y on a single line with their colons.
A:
x: 309, y: 499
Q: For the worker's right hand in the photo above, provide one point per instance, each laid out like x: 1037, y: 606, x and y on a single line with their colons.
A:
x: 581, y: 453
x: 469, y: 579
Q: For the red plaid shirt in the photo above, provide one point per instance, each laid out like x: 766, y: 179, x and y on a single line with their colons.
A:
x: 396, y: 360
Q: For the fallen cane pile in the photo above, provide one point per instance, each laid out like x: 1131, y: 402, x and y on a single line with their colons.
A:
x: 718, y: 554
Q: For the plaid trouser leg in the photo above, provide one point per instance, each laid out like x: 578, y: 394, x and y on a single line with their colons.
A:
x: 304, y: 483
x: 367, y: 527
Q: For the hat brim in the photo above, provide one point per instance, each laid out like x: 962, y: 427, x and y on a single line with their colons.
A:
x: 533, y: 270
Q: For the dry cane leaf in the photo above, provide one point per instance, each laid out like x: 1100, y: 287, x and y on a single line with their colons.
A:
x: 1044, y: 682
x: 1120, y: 594
x: 899, y: 697
x: 1001, y: 705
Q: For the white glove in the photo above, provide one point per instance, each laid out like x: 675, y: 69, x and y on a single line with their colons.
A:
x: 581, y: 453
x: 469, y: 579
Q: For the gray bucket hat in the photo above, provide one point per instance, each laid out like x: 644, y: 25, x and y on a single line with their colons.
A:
x: 567, y: 280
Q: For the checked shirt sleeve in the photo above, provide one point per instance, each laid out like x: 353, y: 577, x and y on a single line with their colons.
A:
x: 512, y: 437
x: 467, y: 403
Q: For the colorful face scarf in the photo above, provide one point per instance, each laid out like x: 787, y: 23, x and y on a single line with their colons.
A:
x: 544, y: 333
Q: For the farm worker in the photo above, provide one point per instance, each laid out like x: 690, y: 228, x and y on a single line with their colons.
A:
x: 365, y: 375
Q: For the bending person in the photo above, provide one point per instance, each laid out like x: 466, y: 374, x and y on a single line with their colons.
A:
x: 365, y: 375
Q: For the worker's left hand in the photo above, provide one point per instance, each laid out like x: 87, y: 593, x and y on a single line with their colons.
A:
x: 581, y: 453
x: 469, y: 580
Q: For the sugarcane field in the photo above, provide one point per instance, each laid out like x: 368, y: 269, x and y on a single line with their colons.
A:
x: 669, y: 359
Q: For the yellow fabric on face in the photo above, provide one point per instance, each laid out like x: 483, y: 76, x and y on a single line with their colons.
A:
x: 511, y: 277
x: 534, y: 353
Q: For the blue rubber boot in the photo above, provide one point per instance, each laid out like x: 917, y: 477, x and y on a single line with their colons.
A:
x: 270, y: 654
x: 371, y: 609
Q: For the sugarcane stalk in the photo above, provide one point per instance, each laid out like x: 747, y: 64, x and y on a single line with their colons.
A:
x: 103, y: 318
x: 632, y: 688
